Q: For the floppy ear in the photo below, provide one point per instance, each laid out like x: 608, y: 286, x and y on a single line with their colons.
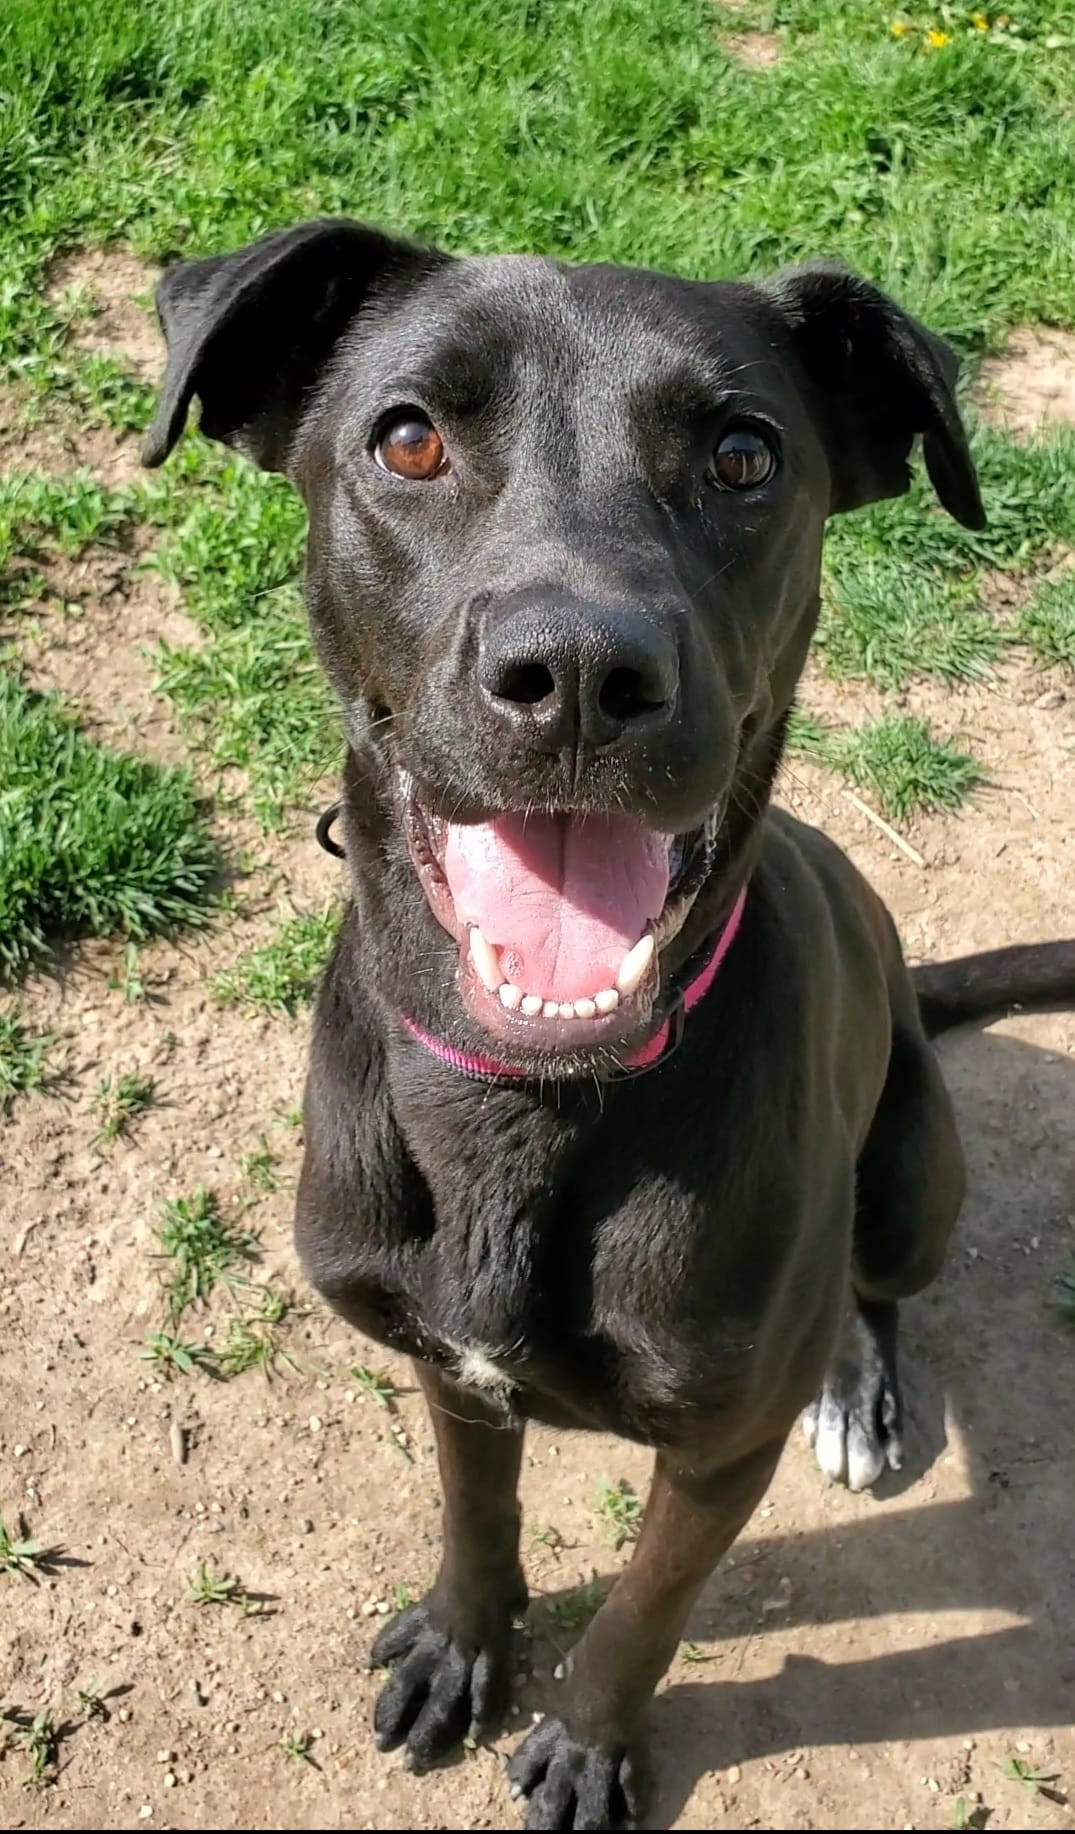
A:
x: 882, y: 380
x: 249, y: 333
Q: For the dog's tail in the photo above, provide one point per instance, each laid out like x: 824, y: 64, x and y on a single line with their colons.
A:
x: 1040, y: 975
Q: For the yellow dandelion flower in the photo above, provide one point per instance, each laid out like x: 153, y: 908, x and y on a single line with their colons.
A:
x: 979, y: 22
x: 899, y: 29
x: 937, y: 39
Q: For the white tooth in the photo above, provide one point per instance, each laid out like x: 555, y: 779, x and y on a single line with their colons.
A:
x: 551, y: 1009
x: 485, y: 960
x: 585, y: 1009
x: 511, y: 997
x: 634, y: 965
x: 532, y: 1005
x: 567, y: 1009
x: 607, y: 1000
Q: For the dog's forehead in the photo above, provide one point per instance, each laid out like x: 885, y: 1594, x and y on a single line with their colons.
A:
x: 533, y: 313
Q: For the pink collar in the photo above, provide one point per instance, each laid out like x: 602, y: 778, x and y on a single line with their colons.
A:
x: 643, y: 1059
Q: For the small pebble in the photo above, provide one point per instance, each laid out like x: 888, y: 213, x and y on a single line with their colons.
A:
x: 165, y: 1757
x: 733, y: 1773
x: 315, y: 1423
x: 169, y: 1779
x: 802, y: 1773
x: 145, y: 1811
x: 306, y: 1526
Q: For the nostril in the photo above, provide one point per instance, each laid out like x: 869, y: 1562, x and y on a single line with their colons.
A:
x: 526, y: 683
x: 625, y: 694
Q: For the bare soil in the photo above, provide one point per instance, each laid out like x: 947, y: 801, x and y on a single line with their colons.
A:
x: 860, y: 1661
x: 1032, y: 381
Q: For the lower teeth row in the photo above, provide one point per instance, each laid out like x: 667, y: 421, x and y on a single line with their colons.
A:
x: 532, y: 1004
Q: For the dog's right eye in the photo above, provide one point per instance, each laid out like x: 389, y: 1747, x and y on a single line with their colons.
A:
x: 410, y: 447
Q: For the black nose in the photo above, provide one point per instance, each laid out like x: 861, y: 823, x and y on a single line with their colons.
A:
x: 570, y: 674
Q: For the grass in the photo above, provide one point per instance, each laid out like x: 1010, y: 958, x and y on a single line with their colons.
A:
x: 252, y: 1341
x: 92, y: 841
x: 283, y: 975
x: 619, y: 1510
x: 573, y: 1610
x: 1047, y: 623
x: 208, y: 1587
x: 380, y: 1389
x: 259, y: 1169
x: 119, y: 1103
x: 22, y: 1056
x: 298, y: 1746
x: 19, y: 1553
x: 41, y: 1742
x: 897, y: 758
x: 1034, y: 1782
x: 171, y: 1355
x: 201, y: 1248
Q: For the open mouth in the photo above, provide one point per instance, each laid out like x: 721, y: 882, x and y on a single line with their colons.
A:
x: 560, y: 918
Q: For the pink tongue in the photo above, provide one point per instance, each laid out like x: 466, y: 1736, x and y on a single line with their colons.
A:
x: 561, y: 898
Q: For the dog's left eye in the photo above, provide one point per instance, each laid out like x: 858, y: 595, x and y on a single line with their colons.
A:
x: 742, y: 460
x: 410, y: 447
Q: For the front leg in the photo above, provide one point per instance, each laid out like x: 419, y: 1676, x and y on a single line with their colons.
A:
x: 578, y: 1767
x: 450, y: 1654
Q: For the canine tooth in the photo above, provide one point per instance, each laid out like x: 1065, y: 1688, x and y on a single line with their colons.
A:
x: 532, y: 1005
x: 585, y: 1009
x: 634, y: 965
x: 485, y: 960
x: 551, y: 1009
x: 511, y: 996
x: 567, y: 1009
x: 607, y: 1000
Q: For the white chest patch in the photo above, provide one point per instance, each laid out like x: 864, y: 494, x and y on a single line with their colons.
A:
x: 476, y: 1367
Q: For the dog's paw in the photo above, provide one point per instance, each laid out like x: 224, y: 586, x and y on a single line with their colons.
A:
x: 442, y: 1688
x: 856, y: 1427
x: 573, y: 1785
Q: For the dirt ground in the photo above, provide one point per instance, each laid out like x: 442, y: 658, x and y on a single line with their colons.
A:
x: 859, y: 1661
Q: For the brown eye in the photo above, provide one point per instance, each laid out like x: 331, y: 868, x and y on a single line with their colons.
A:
x: 411, y: 447
x: 742, y: 460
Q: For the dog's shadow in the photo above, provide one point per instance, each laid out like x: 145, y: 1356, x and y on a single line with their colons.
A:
x: 987, y: 1352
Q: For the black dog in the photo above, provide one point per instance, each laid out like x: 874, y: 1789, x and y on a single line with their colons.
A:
x: 621, y: 1112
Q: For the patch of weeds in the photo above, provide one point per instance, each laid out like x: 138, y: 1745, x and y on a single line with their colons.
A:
x: 43, y: 516
x: 283, y: 974
x: 172, y: 1356
x: 1047, y: 623
x: 257, y: 699
x: 401, y: 1598
x: 619, y: 1510
x: 20, y: 1554
x: 969, y: 1815
x: 897, y: 757
x: 92, y: 1702
x: 203, y: 1248
x: 41, y: 1743
x: 129, y: 980
x: 573, y: 1610
x: 298, y: 1746
x: 1064, y: 1288
x: 259, y: 1169
x: 252, y: 1341
x: 908, y: 769
x: 208, y: 1587
x: 1035, y: 1782
x: 690, y: 1652
x: 546, y: 1536
x: 886, y: 621
x: 120, y: 1103
x: 22, y: 1056
x: 380, y: 1389
x: 92, y: 841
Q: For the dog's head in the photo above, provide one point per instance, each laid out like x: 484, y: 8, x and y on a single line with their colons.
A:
x: 565, y: 542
